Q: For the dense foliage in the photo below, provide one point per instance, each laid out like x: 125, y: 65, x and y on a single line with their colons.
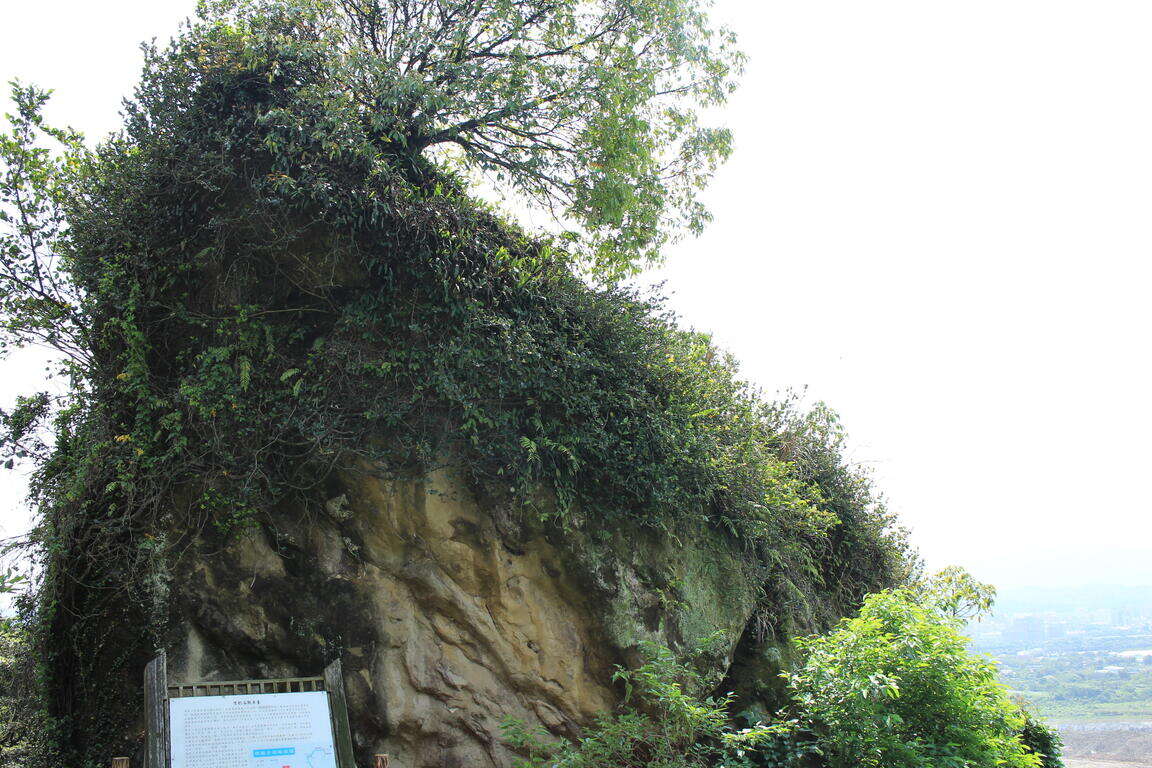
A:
x: 251, y: 291
x: 658, y: 724
x: 21, y: 723
x: 897, y: 686
x: 1043, y: 740
x: 891, y: 687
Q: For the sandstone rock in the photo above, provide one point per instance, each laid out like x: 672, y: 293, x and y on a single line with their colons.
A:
x: 445, y: 630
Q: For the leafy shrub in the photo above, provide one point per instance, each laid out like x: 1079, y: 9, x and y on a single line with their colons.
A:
x: 11, y: 736
x: 26, y: 731
x: 659, y: 724
x: 1043, y: 740
x: 896, y: 687
x: 892, y: 687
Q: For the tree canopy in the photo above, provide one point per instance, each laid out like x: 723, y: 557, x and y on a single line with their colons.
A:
x: 588, y: 109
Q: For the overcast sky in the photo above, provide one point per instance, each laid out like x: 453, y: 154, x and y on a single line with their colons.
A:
x: 936, y: 220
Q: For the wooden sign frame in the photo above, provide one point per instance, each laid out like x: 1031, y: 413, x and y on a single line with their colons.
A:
x: 157, y: 693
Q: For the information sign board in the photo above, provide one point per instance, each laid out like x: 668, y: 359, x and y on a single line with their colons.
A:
x: 267, y: 730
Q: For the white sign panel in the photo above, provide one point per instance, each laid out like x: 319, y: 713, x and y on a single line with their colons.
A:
x: 266, y: 730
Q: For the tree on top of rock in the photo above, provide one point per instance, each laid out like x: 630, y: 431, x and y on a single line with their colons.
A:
x: 589, y: 109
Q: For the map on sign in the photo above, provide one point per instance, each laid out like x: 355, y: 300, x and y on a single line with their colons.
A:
x: 266, y: 730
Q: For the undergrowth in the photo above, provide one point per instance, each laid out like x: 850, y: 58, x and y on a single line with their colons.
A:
x: 893, y: 686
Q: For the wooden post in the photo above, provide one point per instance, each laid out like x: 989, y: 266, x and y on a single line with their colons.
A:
x: 382, y: 762
x: 119, y: 762
x: 338, y: 704
x: 155, y: 713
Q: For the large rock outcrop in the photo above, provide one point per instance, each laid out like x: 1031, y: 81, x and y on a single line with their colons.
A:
x: 449, y: 619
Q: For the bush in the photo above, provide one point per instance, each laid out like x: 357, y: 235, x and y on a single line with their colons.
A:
x: 660, y: 724
x: 1043, y: 740
x: 892, y: 687
x: 896, y: 687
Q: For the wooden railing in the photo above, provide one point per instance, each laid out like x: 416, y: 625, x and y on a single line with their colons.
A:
x: 245, y: 687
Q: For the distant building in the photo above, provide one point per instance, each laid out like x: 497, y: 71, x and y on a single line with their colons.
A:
x: 1026, y: 630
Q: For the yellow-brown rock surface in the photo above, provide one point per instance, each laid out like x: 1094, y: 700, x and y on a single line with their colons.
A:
x: 445, y: 630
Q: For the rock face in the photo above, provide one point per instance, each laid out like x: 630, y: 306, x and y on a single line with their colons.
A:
x: 445, y: 629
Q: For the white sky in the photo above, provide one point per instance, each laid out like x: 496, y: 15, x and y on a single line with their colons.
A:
x: 936, y: 219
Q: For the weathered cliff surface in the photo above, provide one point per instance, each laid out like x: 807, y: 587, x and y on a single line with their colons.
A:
x: 448, y: 624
